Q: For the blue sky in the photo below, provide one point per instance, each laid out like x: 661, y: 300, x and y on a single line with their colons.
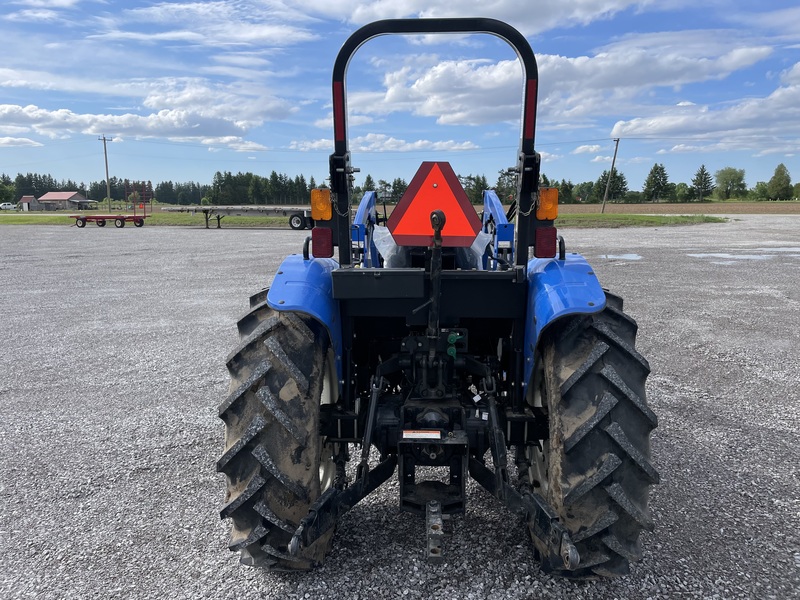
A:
x: 189, y: 88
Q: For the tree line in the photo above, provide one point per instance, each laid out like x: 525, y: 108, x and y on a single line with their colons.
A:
x: 726, y: 184
x: 227, y: 188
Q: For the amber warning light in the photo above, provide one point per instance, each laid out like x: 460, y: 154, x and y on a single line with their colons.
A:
x: 435, y: 186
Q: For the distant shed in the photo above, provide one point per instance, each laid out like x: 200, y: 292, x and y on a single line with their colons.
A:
x: 27, y: 203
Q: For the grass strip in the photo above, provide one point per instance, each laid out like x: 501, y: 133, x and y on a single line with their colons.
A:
x: 586, y: 220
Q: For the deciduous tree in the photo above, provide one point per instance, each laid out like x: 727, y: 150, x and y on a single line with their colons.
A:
x: 730, y: 183
x: 780, y: 186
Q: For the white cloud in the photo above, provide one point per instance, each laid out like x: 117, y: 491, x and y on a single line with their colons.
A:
x: 587, y: 149
x: 376, y: 142
x: 547, y: 157
x: 9, y: 142
x: 494, y: 92
x: 309, y: 145
x: 783, y: 20
x: 230, y: 141
x: 218, y: 24
x: 33, y: 16
x: 571, y: 89
x: 47, y: 3
x: 544, y: 16
x: 164, y: 123
x: 745, y: 124
x: 791, y: 76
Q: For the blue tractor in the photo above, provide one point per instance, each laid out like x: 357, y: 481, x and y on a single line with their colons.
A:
x: 441, y: 341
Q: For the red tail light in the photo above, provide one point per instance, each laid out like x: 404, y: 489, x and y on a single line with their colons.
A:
x: 322, y: 242
x: 545, y: 242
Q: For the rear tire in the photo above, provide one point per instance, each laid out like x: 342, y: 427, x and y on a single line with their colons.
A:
x: 80, y: 222
x: 101, y: 222
x: 595, y: 468
x: 297, y: 221
x: 119, y: 223
x: 138, y: 222
x: 276, y: 463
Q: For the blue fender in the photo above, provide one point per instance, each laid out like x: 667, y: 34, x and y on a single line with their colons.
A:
x: 556, y: 289
x: 305, y: 286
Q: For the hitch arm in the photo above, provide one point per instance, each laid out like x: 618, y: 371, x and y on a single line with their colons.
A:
x: 327, y: 510
x: 541, y: 517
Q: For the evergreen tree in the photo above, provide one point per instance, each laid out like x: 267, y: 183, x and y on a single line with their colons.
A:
x: 702, y: 184
x: 565, y: 195
x: 616, y: 190
x: 656, y: 186
x: 399, y: 187
x: 506, y: 186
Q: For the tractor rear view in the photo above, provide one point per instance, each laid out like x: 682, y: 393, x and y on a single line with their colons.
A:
x: 464, y: 345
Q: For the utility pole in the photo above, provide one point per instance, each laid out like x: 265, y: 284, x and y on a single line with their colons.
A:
x: 610, y: 173
x: 105, y: 155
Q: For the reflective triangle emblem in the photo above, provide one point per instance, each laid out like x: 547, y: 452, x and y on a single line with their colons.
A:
x: 435, y: 186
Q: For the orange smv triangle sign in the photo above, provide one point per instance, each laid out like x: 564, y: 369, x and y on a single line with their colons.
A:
x: 435, y: 186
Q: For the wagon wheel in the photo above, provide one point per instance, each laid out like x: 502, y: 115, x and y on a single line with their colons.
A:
x: 138, y: 222
x: 80, y: 222
x: 101, y: 222
x: 119, y: 222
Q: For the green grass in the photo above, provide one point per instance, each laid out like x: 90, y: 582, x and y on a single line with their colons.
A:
x: 34, y: 219
x: 587, y: 220
x: 157, y: 220
x: 189, y: 220
x: 171, y: 219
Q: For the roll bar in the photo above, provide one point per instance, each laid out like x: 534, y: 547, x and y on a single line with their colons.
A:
x: 528, y: 162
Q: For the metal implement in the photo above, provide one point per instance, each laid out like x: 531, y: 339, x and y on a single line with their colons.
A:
x: 299, y: 216
x: 435, y: 531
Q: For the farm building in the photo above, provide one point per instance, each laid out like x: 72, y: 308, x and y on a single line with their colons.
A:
x: 27, y: 203
x: 66, y: 200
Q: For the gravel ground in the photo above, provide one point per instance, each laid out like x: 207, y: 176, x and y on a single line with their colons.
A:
x: 112, y: 348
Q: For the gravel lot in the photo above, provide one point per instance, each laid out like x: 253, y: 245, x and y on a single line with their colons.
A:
x: 112, y: 348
